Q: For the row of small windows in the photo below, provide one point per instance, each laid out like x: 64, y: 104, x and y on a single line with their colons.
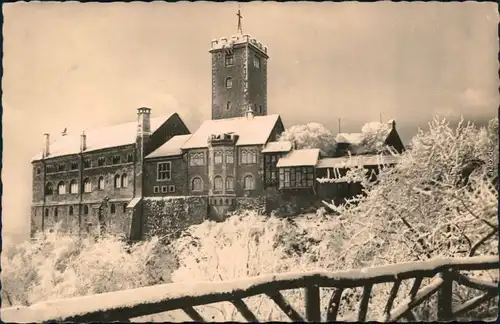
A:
x: 85, y: 210
x: 246, y: 157
x: 113, y: 160
x: 248, y: 183
x: 164, y: 189
x: 120, y: 181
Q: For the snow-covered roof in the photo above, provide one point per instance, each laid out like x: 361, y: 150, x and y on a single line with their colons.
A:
x: 351, y: 138
x: 251, y: 131
x: 171, y: 148
x: 134, y: 202
x: 357, y: 160
x: 280, y: 146
x: 99, y: 138
x: 304, y: 157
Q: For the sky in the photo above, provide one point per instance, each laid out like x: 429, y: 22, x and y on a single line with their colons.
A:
x: 82, y: 65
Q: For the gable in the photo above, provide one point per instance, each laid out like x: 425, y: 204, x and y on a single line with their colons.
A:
x: 250, y: 131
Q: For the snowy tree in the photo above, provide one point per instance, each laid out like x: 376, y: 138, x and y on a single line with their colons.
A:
x: 311, y: 135
x: 373, y: 136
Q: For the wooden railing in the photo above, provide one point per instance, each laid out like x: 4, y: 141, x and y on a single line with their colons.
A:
x: 128, y: 304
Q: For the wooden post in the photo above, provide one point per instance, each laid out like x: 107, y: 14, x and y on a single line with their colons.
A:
x: 445, y: 295
x: 313, y: 311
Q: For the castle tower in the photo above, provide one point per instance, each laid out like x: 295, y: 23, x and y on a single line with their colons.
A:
x: 239, y: 76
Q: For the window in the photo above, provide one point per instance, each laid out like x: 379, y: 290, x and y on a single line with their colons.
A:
x: 256, y: 61
x: 116, y: 159
x: 61, y: 188
x: 229, y: 157
x: 218, y: 157
x: 298, y: 177
x: 248, y: 182
x: 156, y: 189
x: 100, y: 183
x: 87, y: 185
x: 46, y: 213
x: 124, y: 208
x: 124, y: 180
x: 230, y: 184
x: 38, y: 171
x: 197, y: 159
x: 49, y: 189
x: 164, y: 189
x: 228, y: 105
x: 163, y: 171
x: 130, y: 158
x: 61, y: 167
x: 73, y: 187
x: 56, y: 214
x: 50, y: 168
x: 112, y: 208
x: 197, y: 184
x: 218, y: 183
x: 271, y: 171
x: 74, y: 165
x: 101, y: 161
x: 229, y: 83
x: 260, y: 109
x: 87, y: 164
x: 171, y: 188
x: 85, y: 209
x: 248, y: 157
x: 70, y: 212
x: 117, y: 181
x: 229, y: 59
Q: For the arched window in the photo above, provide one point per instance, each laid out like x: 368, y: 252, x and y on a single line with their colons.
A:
x: 229, y: 83
x: 70, y: 210
x: 112, y: 209
x: 248, y: 182
x: 87, y: 185
x: 56, y: 214
x: 124, y: 208
x: 124, y: 180
x: 61, y: 188
x: 218, y: 183
x: 228, y: 105
x: 46, y: 212
x: 73, y: 187
x: 117, y: 181
x: 85, y: 209
x: 229, y: 183
x: 100, y: 183
x: 49, y: 189
x: 197, y: 184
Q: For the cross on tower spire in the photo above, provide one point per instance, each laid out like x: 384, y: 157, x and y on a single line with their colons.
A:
x: 240, y: 31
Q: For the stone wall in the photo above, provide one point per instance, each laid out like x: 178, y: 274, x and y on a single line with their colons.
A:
x: 257, y: 204
x: 170, y: 215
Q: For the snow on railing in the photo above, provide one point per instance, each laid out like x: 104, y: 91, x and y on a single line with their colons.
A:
x: 127, y: 304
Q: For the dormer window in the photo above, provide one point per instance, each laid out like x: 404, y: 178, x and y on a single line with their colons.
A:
x: 229, y: 83
x: 229, y: 60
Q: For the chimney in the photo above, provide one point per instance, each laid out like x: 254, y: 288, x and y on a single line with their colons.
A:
x: 83, y: 142
x: 249, y: 113
x: 143, y: 121
x: 46, y: 146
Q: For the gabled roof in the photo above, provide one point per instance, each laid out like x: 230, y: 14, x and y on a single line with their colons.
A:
x: 250, y: 131
x: 171, y: 148
x: 99, y: 138
x: 357, y: 160
x: 305, y: 157
x: 275, y: 147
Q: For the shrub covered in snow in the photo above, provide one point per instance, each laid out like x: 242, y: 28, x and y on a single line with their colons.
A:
x: 57, y: 265
x: 311, y: 135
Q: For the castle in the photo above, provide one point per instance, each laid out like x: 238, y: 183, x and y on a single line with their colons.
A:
x: 154, y: 174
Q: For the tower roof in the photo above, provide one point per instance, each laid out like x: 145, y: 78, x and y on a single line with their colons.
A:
x: 236, y: 40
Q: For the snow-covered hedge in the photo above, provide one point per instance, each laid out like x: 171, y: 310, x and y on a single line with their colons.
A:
x: 311, y: 135
x: 57, y: 265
